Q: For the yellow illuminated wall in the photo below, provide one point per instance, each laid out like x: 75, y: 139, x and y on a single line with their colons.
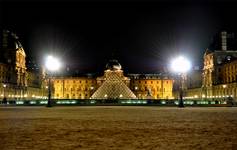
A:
x: 83, y: 88
x: 20, y: 67
x: 74, y: 88
x: 16, y: 82
x: 229, y: 72
x: 208, y: 69
x: 156, y: 88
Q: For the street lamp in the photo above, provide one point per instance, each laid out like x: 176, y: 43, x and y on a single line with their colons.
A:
x: 52, y: 64
x: 4, y: 97
x: 4, y: 86
x: 180, y: 65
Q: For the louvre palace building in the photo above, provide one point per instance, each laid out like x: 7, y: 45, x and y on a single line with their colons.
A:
x: 25, y: 80
x: 218, y: 78
x: 17, y: 80
x: 114, y: 85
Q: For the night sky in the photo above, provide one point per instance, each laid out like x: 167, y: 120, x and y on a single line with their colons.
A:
x: 142, y: 35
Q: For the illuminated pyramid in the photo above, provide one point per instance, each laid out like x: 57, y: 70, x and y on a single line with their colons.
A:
x: 114, y: 86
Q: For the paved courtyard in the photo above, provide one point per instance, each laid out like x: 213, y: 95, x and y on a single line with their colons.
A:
x: 118, y: 127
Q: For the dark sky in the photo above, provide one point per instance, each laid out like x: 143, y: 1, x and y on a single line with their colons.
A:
x: 142, y: 35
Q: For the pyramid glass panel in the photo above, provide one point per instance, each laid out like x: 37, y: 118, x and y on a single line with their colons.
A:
x: 113, y: 87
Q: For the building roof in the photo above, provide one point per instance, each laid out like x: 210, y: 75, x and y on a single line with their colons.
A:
x: 113, y: 65
x: 10, y: 40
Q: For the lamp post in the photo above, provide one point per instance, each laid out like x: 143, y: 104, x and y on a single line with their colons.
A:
x: 4, y: 86
x: 180, y: 65
x: 4, y: 96
x: 52, y: 64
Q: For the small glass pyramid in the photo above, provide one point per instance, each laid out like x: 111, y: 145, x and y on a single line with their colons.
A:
x: 113, y: 87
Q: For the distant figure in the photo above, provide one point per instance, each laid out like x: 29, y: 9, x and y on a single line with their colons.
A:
x: 4, y: 101
x: 230, y: 101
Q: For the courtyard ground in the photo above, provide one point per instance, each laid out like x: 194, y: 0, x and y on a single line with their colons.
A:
x: 118, y: 127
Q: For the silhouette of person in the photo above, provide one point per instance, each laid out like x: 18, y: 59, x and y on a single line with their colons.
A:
x: 4, y: 101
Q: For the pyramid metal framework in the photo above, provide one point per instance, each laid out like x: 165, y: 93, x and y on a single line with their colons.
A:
x: 113, y: 88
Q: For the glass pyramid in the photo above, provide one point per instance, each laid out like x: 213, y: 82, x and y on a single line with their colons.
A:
x: 113, y: 87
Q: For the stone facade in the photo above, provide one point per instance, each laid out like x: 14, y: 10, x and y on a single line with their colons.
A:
x: 73, y: 87
x: 151, y: 86
x: 17, y: 81
x: 143, y: 86
x: 219, y: 75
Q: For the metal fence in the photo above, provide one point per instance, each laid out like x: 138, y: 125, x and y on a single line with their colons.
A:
x: 119, y: 102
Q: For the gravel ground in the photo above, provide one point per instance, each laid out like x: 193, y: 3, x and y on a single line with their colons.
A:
x: 118, y: 127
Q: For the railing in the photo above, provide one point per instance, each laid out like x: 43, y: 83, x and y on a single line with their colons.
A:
x: 119, y: 102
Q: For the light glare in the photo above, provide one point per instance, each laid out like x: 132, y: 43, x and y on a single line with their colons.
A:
x: 180, y: 65
x: 52, y: 63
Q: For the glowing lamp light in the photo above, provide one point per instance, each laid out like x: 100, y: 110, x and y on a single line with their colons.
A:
x: 52, y: 63
x: 180, y: 65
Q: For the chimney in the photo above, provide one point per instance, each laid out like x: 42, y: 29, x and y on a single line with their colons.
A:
x: 224, y: 40
x: 5, y: 38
